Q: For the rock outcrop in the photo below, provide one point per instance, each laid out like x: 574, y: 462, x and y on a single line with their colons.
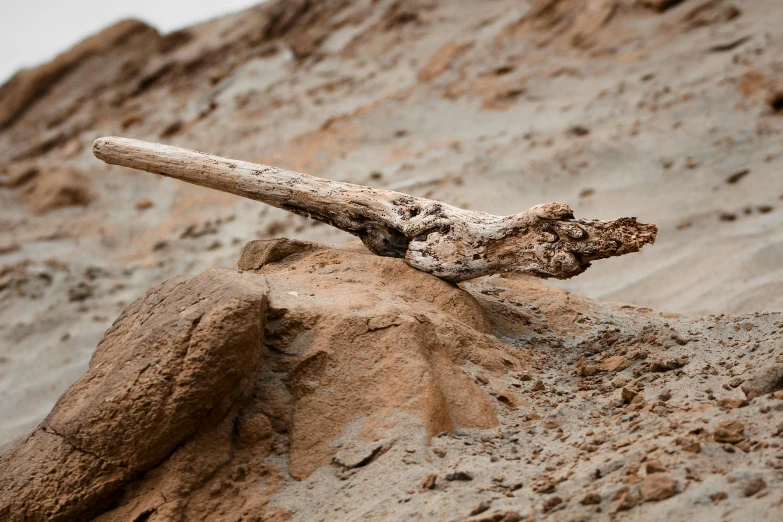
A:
x: 171, y: 366
x: 26, y: 86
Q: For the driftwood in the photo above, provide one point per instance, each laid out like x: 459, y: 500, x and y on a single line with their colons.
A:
x: 446, y: 241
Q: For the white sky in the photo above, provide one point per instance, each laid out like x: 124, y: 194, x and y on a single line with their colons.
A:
x: 35, y: 31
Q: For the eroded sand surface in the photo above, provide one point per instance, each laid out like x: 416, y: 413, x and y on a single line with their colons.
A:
x: 614, y: 108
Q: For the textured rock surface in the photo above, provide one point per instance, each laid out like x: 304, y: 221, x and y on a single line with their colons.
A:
x: 172, y: 365
x: 371, y: 339
x: 321, y: 383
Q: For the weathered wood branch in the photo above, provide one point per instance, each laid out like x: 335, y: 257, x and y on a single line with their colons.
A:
x: 446, y: 241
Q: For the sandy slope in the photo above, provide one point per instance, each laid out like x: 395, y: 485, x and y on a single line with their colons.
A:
x: 615, y: 109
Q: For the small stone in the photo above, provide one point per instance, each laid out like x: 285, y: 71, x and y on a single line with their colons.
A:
x: 690, y: 445
x: 753, y: 486
x: 654, y: 466
x: 658, y: 366
x: 545, y: 485
x: 459, y: 475
x: 730, y: 432
x: 551, y: 503
x: 625, y: 500
x: 537, y: 386
x: 496, y: 516
x: 692, y: 162
x: 429, y: 482
x: 731, y: 404
x: 479, y: 508
x: 144, y: 204
x: 718, y: 496
x: 359, y: 456
x: 667, y: 365
x: 588, y: 370
x: 590, y: 499
x: 619, y: 381
x: 80, y: 292
x: 734, y: 178
x: 440, y: 452
x: 628, y: 395
x: 764, y: 381
x: 579, y: 130
x: 658, y: 486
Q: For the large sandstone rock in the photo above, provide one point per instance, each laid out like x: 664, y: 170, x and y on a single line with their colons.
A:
x: 173, y: 363
x: 368, y: 336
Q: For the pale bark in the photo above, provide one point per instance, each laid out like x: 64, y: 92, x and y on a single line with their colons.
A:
x: 446, y: 241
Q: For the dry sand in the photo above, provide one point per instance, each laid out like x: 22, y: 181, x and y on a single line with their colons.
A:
x: 614, y: 108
